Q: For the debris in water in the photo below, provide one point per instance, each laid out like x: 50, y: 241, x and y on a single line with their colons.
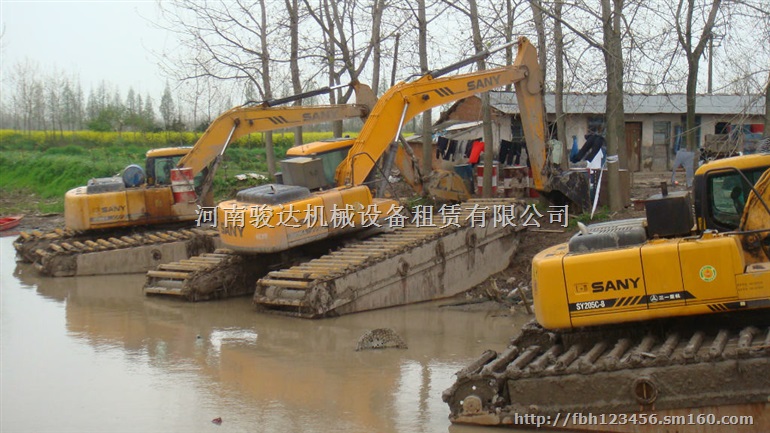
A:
x: 380, y: 338
x: 217, y: 420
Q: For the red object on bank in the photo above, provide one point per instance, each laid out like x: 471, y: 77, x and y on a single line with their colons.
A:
x: 9, y: 222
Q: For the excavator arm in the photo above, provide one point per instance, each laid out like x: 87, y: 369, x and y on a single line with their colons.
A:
x: 406, y: 100
x: 755, y: 222
x: 244, y: 120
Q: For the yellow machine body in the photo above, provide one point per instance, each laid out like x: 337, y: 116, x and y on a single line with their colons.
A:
x: 705, y: 272
x: 265, y: 228
x: 149, y: 203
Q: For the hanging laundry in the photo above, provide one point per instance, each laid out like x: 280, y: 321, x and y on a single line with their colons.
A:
x: 515, y: 157
x: 451, y: 150
x: 506, y: 150
x: 441, y: 146
x: 476, y: 149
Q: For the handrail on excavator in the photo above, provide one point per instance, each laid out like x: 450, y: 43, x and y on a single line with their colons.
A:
x: 299, y: 96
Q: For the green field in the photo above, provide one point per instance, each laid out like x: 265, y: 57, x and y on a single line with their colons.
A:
x: 37, y: 168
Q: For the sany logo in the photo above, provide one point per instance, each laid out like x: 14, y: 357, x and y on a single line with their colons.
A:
x: 483, y: 84
x: 321, y: 115
x: 604, y: 286
x: 108, y: 209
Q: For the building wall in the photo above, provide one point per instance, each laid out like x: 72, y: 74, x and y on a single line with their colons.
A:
x: 652, y: 157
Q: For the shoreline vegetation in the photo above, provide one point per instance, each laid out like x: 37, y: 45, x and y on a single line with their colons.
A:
x: 37, y: 168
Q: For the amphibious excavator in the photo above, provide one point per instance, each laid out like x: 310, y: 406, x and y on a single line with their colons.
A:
x: 147, y: 217
x: 267, y: 228
x: 664, y: 315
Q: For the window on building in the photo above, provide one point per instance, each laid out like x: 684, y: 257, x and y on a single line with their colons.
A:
x: 722, y: 128
x: 661, y: 133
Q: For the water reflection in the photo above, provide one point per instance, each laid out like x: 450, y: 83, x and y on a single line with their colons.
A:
x: 103, y: 357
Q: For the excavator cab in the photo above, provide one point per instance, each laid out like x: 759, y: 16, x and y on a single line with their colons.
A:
x: 330, y: 153
x: 721, y: 192
x: 160, y: 162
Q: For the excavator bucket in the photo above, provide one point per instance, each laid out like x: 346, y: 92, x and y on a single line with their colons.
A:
x: 572, y: 186
x: 447, y: 186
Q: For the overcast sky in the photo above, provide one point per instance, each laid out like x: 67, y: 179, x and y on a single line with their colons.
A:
x: 98, y: 40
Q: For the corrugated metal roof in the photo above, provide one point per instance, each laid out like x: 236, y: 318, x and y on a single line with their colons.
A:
x: 592, y: 103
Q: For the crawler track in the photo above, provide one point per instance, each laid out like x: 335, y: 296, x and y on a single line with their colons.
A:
x: 403, y: 266
x: 220, y: 274
x: 64, y: 253
x: 669, y: 365
x: 412, y: 264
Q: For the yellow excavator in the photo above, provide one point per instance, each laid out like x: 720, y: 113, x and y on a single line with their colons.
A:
x: 268, y: 227
x: 172, y: 188
x: 664, y: 313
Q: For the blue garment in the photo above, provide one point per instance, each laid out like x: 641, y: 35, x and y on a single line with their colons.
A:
x: 573, y: 153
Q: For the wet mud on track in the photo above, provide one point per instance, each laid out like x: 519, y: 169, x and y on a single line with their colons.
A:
x: 94, y: 354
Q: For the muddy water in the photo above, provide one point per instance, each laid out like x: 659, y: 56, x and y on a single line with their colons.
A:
x: 93, y: 354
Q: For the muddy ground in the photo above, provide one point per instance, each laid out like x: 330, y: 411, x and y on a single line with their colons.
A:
x: 15, y: 202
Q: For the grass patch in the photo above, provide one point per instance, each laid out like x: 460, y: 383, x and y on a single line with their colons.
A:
x: 39, y: 167
x: 602, y: 214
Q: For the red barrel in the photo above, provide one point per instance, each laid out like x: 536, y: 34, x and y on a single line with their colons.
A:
x: 532, y: 191
x: 182, y: 186
x: 480, y: 179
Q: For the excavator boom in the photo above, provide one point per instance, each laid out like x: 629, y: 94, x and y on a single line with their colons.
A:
x: 245, y: 120
x: 405, y: 100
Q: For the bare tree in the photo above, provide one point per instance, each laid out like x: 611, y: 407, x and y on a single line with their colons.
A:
x: 378, y: 8
x: 472, y: 12
x: 27, y: 95
x: 292, y: 8
x: 53, y: 89
x: 230, y: 42
x: 427, y: 121
x: 612, y: 19
x: 767, y: 109
x: 264, y: 58
x: 685, y: 27
x: 558, y: 41
x: 537, y: 18
x: 341, y: 26
x: 610, y: 16
x: 167, y: 108
x: 505, y: 15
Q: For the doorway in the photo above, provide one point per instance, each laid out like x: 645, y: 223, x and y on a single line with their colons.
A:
x: 634, y: 145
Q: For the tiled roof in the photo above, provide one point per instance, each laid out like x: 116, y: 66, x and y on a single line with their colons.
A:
x: 592, y: 103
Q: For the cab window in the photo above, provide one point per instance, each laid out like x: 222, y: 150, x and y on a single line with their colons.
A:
x: 728, y: 192
x: 330, y: 161
x: 159, y: 171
